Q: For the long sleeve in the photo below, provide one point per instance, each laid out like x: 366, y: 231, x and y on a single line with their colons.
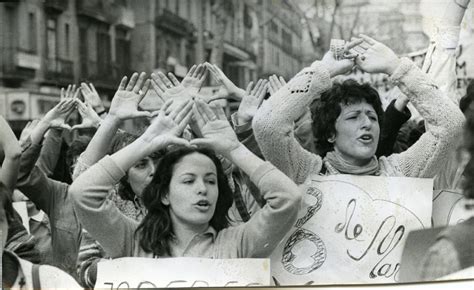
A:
x: 392, y: 122
x: 245, y: 135
x: 274, y: 122
x: 443, y: 121
x: 258, y: 237
x: 34, y: 183
x: 49, y: 155
x: 99, y: 216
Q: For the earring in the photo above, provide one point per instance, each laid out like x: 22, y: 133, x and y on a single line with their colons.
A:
x: 331, y: 140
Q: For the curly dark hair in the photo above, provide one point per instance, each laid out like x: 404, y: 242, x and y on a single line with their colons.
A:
x: 468, y: 184
x: 467, y: 99
x: 156, y: 229
x: 327, y: 109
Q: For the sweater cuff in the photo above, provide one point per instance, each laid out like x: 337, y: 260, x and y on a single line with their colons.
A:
x: 239, y: 128
x: 27, y: 144
x: 405, y: 66
x: 261, y: 171
x: 448, y: 36
x: 113, y: 170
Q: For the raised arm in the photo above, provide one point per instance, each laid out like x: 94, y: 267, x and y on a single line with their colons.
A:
x: 89, y: 191
x: 260, y: 235
x: 124, y: 106
x: 11, y: 149
x: 443, y: 119
x: 32, y: 181
x: 274, y: 122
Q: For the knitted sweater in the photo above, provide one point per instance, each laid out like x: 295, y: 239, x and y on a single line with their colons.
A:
x: 273, y: 124
x: 256, y: 238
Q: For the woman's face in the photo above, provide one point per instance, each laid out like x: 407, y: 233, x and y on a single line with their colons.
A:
x: 140, y: 175
x: 357, y: 133
x: 193, y: 192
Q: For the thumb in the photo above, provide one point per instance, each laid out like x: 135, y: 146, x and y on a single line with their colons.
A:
x: 202, y: 142
x: 139, y: 114
x: 173, y: 140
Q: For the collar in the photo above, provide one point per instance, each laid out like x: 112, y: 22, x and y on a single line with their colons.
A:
x: 39, y: 217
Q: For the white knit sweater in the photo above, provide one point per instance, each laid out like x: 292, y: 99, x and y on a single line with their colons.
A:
x: 273, y: 124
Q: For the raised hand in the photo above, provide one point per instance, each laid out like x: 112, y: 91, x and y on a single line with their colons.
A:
x: 26, y: 132
x: 91, y: 97
x: 57, y: 116
x: 195, y: 78
x: 90, y: 119
x: 125, y: 102
x: 228, y: 88
x: 165, y: 129
x: 275, y: 83
x: 70, y: 93
x: 168, y: 87
x: 375, y: 57
x: 216, y: 130
x: 344, y: 65
x: 251, y: 102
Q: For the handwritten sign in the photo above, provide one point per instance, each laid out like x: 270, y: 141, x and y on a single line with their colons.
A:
x: 448, y: 208
x: 352, y: 229
x: 127, y: 273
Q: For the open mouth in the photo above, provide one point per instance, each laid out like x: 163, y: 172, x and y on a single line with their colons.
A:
x: 366, y: 138
x: 203, y: 205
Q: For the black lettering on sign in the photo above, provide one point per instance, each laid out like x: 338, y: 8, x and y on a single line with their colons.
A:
x: 318, y: 257
x: 146, y: 284
x: 300, y: 235
x: 357, y: 230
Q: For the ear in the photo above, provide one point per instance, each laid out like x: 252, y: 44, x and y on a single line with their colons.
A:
x: 332, y: 139
x: 165, y: 200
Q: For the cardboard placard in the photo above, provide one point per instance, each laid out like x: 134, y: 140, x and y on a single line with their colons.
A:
x: 127, y: 273
x: 448, y: 208
x: 352, y: 229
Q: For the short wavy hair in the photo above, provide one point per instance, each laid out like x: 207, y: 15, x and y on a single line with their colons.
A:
x: 468, y: 184
x: 327, y: 109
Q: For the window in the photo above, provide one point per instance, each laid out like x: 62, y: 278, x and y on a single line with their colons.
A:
x: 32, y: 38
x: 122, y: 48
x: 67, y: 40
x: 51, y: 38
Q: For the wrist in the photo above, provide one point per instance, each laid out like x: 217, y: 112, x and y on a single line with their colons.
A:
x: 112, y: 119
x: 242, y: 119
x: 237, y: 153
x: 393, y: 65
x: 145, y: 143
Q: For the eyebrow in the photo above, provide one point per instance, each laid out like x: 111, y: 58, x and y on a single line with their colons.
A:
x: 360, y: 111
x: 192, y: 174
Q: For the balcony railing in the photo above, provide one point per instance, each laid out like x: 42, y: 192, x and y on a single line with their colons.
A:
x: 172, y: 22
x: 104, y: 75
x: 60, y: 70
x: 12, y: 62
x: 56, y: 5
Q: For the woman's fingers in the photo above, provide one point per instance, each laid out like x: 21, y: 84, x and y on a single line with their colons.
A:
x: 249, y: 89
x: 218, y: 111
x: 191, y: 70
x: 368, y: 39
x: 202, y: 142
x: 158, y: 85
x: 173, y: 114
x: 257, y: 86
x: 138, y: 85
x: 165, y: 80
x: 123, y: 83
x: 183, y: 112
x: 166, y: 106
x: 173, y: 79
x: 282, y: 80
x: 355, y: 42
x: 131, y: 83
x: 206, y: 110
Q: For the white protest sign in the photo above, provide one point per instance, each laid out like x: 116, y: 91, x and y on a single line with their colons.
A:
x: 22, y: 210
x: 127, y: 273
x: 448, y: 208
x: 352, y: 229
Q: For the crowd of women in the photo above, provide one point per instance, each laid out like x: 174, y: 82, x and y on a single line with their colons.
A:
x: 195, y: 184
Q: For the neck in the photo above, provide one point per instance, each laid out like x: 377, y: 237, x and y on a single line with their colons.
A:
x: 352, y: 161
x: 184, y: 233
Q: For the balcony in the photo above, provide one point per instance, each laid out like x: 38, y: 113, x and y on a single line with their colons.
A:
x: 167, y: 20
x: 18, y: 65
x: 56, y: 6
x: 106, y: 76
x: 59, y: 71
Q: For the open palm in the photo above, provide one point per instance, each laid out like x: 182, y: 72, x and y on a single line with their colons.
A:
x: 125, y: 102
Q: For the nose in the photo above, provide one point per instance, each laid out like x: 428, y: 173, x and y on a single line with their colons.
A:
x: 366, y: 122
x: 201, y: 188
